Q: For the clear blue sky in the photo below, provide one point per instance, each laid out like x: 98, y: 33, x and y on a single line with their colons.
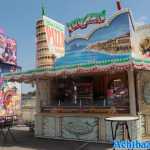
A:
x: 18, y: 18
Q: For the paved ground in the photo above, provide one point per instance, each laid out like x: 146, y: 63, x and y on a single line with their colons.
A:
x: 26, y: 141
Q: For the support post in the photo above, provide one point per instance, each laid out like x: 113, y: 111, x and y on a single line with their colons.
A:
x: 132, y: 99
x: 38, y: 101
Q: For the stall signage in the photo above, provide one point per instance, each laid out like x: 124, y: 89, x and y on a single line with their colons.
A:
x: 7, y: 50
x: 55, y: 36
x: 82, y: 23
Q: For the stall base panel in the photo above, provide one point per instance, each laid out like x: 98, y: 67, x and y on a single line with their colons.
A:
x: 80, y: 128
x: 94, y: 129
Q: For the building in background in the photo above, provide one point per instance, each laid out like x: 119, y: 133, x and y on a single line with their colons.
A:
x: 28, y: 108
x: 49, y: 41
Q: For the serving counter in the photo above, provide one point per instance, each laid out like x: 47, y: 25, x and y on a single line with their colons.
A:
x: 80, y: 127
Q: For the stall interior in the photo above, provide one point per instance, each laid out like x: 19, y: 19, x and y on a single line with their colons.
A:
x: 94, y: 90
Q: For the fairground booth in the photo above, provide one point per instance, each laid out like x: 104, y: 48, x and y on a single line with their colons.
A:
x: 100, y: 73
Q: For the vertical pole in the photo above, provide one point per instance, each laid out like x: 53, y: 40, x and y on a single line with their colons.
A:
x: 48, y: 100
x: 43, y: 8
x: 38, y: 117
x: 132, y: 100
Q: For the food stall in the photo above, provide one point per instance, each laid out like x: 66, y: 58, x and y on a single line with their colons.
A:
x: 97, y: 77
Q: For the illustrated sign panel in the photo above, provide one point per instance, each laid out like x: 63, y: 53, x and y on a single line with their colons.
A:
x: 109, y: 42
x: 112, y: 38
x: 55, y: 36
x: 80, y: 128
x: 10, y: 97
x: 7, y: 50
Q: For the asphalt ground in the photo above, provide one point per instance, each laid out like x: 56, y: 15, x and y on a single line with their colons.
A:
x: 25, y: 140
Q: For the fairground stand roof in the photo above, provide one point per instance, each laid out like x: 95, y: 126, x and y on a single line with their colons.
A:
x: 94, y: 52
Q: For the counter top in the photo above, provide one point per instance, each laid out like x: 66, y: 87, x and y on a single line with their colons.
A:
x: 79, y: 114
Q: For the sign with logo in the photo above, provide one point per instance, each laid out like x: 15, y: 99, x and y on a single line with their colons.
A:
x: 82, y: 23
x: 54, y: 36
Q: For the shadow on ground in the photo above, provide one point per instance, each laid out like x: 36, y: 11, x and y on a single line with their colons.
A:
x: 27, y: 141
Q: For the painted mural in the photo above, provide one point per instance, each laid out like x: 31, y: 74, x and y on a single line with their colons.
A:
x: 79, y: 128
x: 111, y: 41
x: 10, y: 94
x: 118, y: 26
x: 118, y: 45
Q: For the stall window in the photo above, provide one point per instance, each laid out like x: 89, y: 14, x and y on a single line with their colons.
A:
x: 117, y: 93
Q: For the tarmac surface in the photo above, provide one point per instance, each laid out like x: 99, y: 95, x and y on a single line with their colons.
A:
x: 27, y: 141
